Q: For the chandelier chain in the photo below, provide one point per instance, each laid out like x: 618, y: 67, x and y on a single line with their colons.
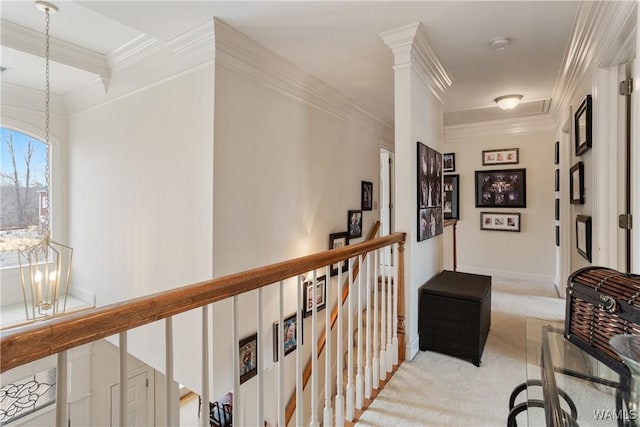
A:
x: 47, y: 115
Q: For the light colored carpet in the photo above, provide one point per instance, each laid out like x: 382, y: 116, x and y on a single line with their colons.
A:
x: 439, y: 390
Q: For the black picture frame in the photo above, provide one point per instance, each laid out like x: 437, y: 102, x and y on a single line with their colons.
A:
x: 504, y: 188
x: 451, y: 197
x: 583, y: 236
x: 557, y: 210
x: 321, y: 301
x: 557, y: 235
x: 354, y: 224
x: 557, y: 186
x: 557, y: 154
x: 366, y: 196
x: 500, y: 221
x: 576, y: 184
x: 248, y: 354
x: 583, y: 126
x: 339, y: 240
x: 449, y: 162
x: 291, y: 342
x: 429, y: 186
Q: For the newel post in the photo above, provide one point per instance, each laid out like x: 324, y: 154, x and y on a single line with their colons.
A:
x: 401, y: 301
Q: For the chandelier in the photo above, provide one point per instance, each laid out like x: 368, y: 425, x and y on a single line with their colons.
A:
x: 45, y: 268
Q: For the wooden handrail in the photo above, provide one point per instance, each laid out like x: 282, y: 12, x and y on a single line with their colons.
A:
x: 306, y: 374
x: 28, y: 343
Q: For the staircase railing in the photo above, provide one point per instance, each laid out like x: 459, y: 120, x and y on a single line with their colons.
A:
x: 450, y: 249
x: 29, y: 343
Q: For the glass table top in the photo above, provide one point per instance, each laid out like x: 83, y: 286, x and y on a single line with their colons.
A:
x: 562, y: 373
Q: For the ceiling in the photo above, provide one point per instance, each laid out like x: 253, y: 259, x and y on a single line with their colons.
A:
x: 336, y: 41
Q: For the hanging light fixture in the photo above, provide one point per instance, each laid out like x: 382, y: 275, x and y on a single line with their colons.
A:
x: 45, y: 268
x: 507, y: 102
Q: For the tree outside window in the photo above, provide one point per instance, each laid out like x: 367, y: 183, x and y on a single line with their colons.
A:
x: 24, y: 193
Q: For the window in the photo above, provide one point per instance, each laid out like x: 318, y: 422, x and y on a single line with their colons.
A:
x: 24, y: 193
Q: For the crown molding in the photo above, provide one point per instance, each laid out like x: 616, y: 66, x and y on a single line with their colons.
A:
x: 135, y: 50
x: 24, y: 98
x: 512, y: 126
x: 241, y: 54
x: 598, y: 27
x: 197, y: 46
x: 410, y: 46
x: 26, y: 40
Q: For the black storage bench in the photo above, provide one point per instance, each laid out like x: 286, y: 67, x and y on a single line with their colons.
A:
x: 455, y: 314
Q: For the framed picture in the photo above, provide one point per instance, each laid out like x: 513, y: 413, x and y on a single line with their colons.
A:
x: 557, y: 209
x: 354, y: 224
x: 451, y: 197
x: 557, y: 187
x: 576, y: 184
x: 583, y: 236
x: 582, y: 125
x: 501, y: 188
x: 429, y: 192
x: 366, y: 196
x: 449, y: 162
x: 321, y: 295
x: 500, y: 221
x: 338, y: 240
x: 248, y: 357
x: 557, y: 154
x: 557, y: 235
x: 290, y: 335
x: 506, y: 156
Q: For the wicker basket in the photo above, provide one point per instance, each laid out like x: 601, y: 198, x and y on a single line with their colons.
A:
x: 601, y: 303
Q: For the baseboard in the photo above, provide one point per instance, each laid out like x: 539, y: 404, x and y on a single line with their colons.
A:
x: 411, y: 348
x: 508, y: 274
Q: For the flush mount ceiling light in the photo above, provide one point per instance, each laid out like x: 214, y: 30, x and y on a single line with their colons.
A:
x: 500, y: 43
x: 507, y: 102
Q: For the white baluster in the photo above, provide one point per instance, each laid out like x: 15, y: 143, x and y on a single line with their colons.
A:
x: 359, y: 375
x: 280, y: 340
x: 349, y: 389
x: 260, y: 412
x: 62, y: 416
x: 383, y: 319
x: 395, y: 308
x: 314, y: 354
x: 238, y: 415
x: 375, y: 374
x: 339, y: 403
x: 299, y: 320
x: 204, y: 397
x: 367, y: 344
x: 328, y: 412
x: 389, y: 313
x: 171, y: 393
x: 123, y: 371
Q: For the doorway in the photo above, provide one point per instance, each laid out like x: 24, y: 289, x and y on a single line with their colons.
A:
x: 136, y: 401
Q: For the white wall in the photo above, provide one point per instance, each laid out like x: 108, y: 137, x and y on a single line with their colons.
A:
x: 285, y: 175
x: 529, y: 254
x: 141, y: 179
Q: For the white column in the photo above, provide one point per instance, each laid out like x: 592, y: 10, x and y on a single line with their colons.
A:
x: 349, y: 391
x: 62, y: 416
x: 328, y: 412
x: 375, y: 374
x: 367, y: 344
x: 204, y: 397
x: 299, y: 320
x: 124, y: 379
x: 339, y: 403
x: 314, y: 354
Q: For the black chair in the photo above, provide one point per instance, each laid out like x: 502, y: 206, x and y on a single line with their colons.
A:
x: 220, y: 415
